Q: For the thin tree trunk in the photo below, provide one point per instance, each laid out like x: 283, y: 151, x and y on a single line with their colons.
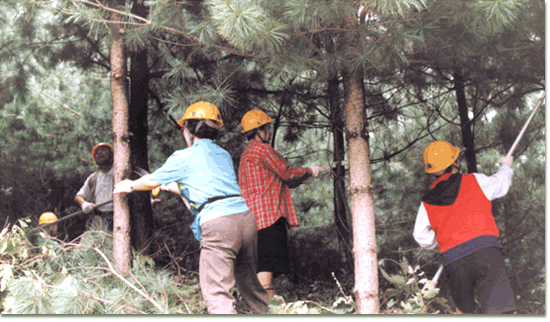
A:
x: 362, y: 203
x: 285, y: 96
x: 341, y: 219
x: 121, y: 139
x: 465, y: 122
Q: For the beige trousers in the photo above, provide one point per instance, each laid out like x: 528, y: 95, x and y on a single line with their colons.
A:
x: 228, y: 258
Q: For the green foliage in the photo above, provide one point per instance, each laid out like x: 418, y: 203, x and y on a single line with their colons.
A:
x: 496, y: 15
x: 394, y: 7
x: 277, y: 56
x: 239, y: 21
x: 405, y: 296
x: 340, y: 306
x: 48, y: 276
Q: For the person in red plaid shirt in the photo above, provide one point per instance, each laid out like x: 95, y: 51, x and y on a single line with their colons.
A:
x: 265, y: 178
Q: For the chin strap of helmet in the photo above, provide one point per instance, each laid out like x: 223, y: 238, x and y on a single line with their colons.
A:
x: 258, y: 133
x: 263, y: 140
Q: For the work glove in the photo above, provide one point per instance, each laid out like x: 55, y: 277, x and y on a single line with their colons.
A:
x: 156, y: 191
x: 506, y: 160
x: 124, y: 186
x: 430, y: 285
x: 87, y: 207
x: 316, y: 169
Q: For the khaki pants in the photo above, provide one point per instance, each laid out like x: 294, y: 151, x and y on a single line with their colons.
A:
x: 229, y: 257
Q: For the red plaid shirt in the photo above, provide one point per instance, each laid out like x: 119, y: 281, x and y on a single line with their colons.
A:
x: 262, y: 172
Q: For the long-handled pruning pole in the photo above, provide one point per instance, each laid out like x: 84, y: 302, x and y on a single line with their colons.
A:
x: 431, y: 284
x: 520, y: 135
x: 139, y: 171
x: 80, y: 212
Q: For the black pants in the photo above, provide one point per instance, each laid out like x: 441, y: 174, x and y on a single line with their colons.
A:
x: 484, y: 273
x: 273, y: 248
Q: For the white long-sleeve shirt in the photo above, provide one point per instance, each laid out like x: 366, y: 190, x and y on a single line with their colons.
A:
x: 495, y: 186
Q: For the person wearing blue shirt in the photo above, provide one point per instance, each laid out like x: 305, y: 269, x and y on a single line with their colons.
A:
x: 203, y: 175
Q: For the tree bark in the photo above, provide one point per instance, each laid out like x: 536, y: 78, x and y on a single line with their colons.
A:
x: 341, y: 219
x: 465, y: 122
x: 141, y: 219
x: 361, y: 193
x: 121, y: 139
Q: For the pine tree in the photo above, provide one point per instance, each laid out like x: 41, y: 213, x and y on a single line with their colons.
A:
x: 399, y: 63
x: 121, y: 138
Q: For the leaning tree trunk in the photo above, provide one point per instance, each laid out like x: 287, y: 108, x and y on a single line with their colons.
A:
x: 121, y: 139
x: 362, y: 203
x: 465, y: 122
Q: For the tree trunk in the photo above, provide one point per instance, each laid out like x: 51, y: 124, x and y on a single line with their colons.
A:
x: 140, y: 202
x: 121, y: 139
x: 465, y: 122
x: 341, y: 219
x: 362, y: 203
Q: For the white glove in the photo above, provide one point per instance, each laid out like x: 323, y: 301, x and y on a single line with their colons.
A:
x: 87, y: 207
x: 124, y: 186
x: 316, y: 169
x: 506, y: 160
x: 430, y: 285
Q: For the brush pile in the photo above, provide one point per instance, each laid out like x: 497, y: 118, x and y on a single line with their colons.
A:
x: 42, y: 275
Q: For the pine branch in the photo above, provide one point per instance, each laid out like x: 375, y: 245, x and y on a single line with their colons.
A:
x: 112, y: 270
x: 82, y: 293
x: 98, y: 4
x: 147, y: 22
x: 63, y: 106
x: 96, y: 47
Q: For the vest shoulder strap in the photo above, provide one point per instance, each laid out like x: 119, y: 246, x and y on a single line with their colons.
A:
x: 92, y: 182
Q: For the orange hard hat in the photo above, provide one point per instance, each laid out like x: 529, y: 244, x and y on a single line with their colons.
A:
x: 202, y: 111
x: 439, y: 155
x: 47, y: 217
x: 100, y: 145
x: 254, y: 119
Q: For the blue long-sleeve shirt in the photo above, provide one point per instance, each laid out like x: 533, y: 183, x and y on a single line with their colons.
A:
x: 206, y: 171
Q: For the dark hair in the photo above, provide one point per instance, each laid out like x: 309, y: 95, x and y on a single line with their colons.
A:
x: 250, y: 135
x: 451, y: 168
x: 204, y: 131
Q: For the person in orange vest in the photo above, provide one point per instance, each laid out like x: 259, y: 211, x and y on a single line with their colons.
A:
x: 456, y: 215
x: 265, y: 178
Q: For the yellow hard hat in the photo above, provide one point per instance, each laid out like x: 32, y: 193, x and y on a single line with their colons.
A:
x: 47, y: 217
x: 439, y: 155
x: 202, y: 111
x: 254, y: 119
x: 100, y: 145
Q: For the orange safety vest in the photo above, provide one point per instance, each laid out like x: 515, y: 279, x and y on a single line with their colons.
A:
x: 458, y: 210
